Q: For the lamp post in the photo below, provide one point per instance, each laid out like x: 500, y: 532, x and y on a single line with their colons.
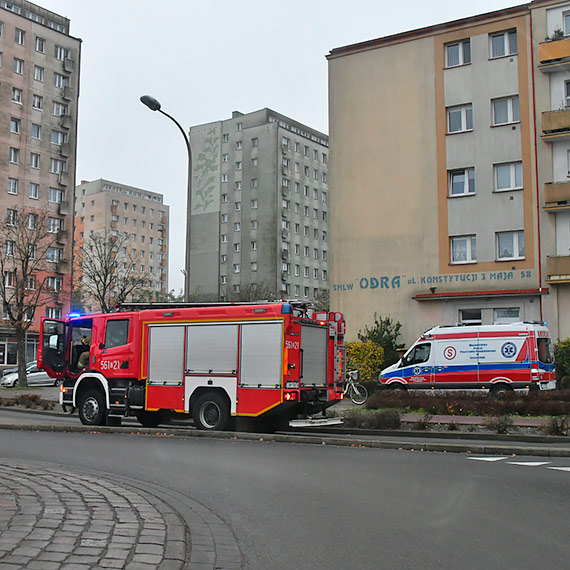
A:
x: 154, y: 105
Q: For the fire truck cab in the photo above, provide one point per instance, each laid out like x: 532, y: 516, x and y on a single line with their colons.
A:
x: 211, y: 362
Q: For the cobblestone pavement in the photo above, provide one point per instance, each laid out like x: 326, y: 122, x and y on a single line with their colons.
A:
x: 53, y: 518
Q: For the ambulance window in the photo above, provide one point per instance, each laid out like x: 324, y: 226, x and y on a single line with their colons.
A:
x: 419, y: 354
x: 545, y: 353
x: 117, y: 333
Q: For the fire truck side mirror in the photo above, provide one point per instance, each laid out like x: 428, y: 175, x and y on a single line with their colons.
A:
x: 101, y: 345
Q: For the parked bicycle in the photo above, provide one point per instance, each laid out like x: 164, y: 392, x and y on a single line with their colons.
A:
x: 357, y: 393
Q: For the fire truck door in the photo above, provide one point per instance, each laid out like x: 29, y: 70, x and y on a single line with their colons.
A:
x: 53, y: 346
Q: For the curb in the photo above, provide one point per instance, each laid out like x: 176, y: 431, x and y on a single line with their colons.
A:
x: 481, y: 449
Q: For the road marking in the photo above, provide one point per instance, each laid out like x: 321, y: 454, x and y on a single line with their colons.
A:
x: 487, y: 458
x: 560, y: 468
x: 529, y: 463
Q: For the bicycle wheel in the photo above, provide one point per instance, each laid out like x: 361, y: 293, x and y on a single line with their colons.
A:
x: 358, y: 394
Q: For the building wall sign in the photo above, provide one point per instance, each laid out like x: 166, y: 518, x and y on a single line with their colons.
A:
x: 400, y: 281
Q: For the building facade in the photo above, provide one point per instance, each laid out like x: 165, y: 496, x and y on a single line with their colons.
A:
x: 138, y: 216
x: 39, y: 90
x: 451, y: 201
x: 259, y: 208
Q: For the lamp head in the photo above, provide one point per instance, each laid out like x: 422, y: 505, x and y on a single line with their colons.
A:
x: 150, y: 102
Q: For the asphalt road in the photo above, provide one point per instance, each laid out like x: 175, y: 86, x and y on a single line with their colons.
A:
x: 312, y: 507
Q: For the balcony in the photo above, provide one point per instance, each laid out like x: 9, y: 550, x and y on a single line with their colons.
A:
x: 557, y: 196
x: 558, y: 269
x: 556, y: 125
x: 554, y: 56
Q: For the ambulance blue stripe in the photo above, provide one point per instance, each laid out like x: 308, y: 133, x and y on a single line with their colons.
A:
x: 409, y: 371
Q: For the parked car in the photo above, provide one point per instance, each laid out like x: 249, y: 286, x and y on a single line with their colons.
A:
x: 35, y: 377
x: 29, y: 365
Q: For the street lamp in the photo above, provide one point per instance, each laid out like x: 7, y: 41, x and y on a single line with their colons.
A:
x: 154, y: 105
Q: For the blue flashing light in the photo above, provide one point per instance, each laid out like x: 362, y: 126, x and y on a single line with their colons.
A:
x: 71, y: 315
x: 286, y: 309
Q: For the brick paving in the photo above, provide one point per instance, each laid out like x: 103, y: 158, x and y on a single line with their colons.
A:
x: 61, y: 519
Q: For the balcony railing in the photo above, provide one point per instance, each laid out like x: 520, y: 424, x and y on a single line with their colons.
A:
x: 551, y: 53
x: 558, y: 268
x: 556, y: 193
x: 554, y: 122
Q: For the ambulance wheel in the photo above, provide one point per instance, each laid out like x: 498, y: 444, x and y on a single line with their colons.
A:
x: 150, y: 419
x: 397, y: 387
x: 210, y: 412
x: 500, y: 391
x: 92, y: 408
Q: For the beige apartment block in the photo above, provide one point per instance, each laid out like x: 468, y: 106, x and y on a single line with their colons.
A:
x: 452, y: 198
x: 39, y: 90
x: 138, y: 216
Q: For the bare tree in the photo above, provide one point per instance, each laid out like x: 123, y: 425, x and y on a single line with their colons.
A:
x: 252, y: 292
x: 108, y: 270
x: 322, y: 300
x: 25, y: 246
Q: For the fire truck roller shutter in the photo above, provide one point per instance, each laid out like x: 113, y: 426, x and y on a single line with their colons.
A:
x: 261, y: 355
x: 166, y: 355
x: 314, y: 345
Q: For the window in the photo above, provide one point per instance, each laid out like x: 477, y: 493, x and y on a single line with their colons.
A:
x: 253, y: 224
x: 236, y: 267
x: 305, y: 271
x: 460, y: 119
x: 458, y: 53
x: 17, y: 95
x: 504, y: 43
x: 38, y: 73
x: 56, y: 166
x: 470, y: 317
x: 253, y: 204
x: 505, y: 316
x: 462, y: 182
x: 254, y: 183
x: 57, y: 137
x: 60, y: 80
x: 463, y: 249
x: 12, y: 185
x: 253, y: 266
x: 224, y: 238
x: 224, y: 197
x: 117, y: 332
x: 506, y: 110
x: 224, y: 218
x: 53, y: 254
x: 237, y: 206
x: 55, y: 195
x: 315, y: 273
x: 238, y: 145
x: 54, y: 284
x: 36, y: 131
x: 14, y: 156
x: 238, y: 165
x: 40, y: 44
x: 307, y: 171
x: 253, y: 246
x: 239, y: 126
x: 60, y: 52
x: 254, y: 141
x: 53, y: 312
x: 11, y: 217
x: 237, y: 226
x: 34, y: 160
x: 510, y: 245
x: 59, y: 109
x: 224, y: 177
x: 9, y: 248
x: 37, y: 102
x: 306, y: 252
x: 508, y: 176
x: 15, y: 125
x: 32, y: 221
x: 34, y: 190
x: 20, y: 36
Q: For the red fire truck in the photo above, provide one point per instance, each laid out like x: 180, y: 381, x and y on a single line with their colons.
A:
x: 211, y: 362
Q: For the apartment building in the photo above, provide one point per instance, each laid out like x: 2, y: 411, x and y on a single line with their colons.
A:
x: 39, y: 90
x: 139, y: 217
x: 259, y: 207
x: 455, y: 201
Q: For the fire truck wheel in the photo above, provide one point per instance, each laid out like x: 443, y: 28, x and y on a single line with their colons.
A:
x: 92, y: 410
x: 210, y: 411
x: 150, y: 419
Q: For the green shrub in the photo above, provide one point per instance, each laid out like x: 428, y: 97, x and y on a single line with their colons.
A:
x: 367, y: 357
x: 384, y: 332
x: 562, y: 356
x: 381, y: 419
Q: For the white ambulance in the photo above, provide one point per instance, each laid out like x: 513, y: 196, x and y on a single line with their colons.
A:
x: 486, y: 357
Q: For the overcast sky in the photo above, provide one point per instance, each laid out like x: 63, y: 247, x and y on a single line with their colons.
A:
x: 203, y: 59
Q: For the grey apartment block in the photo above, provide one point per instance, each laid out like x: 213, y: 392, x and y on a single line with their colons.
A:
x: 141, y: 215
x: 259, y: 207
